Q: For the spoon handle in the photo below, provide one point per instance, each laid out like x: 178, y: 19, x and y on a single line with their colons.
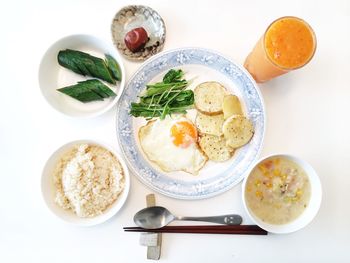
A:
x: 223, y: 219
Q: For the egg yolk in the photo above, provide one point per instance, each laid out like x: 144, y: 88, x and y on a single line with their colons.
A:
x: 183, y: 133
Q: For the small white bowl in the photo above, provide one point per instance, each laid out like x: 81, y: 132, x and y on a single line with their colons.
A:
x: 53, y: 76
x: 48, y: 189
x: 309, y: 213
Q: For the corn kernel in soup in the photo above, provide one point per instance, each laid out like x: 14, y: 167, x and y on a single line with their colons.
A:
x: 277, y: 191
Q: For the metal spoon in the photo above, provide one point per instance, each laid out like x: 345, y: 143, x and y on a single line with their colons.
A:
x: 157, y: 217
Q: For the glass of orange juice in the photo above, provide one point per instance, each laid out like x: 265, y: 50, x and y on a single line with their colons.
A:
x: 289, y: 43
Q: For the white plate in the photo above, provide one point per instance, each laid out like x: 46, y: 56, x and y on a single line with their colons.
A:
x: 202, y: 65
x: 49, y: 192
x: 53, y: 76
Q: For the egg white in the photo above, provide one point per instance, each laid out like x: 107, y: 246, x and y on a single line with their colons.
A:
x: 157, y: 143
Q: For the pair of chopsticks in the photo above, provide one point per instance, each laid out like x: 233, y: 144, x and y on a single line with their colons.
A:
x: 204, y: 229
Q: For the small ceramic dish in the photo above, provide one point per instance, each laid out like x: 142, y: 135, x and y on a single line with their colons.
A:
x: 52, y: 76
x: 48, y: 188
x: 306, y: 215
x: 135, y: 16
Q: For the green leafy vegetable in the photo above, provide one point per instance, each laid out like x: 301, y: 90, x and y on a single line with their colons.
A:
x: 163, y: 98
x: 113, y: 67
x: 88, y: 90
x: 173, y: 76
x: 87, y: 65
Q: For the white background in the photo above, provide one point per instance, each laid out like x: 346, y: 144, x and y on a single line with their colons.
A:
x: 307, y: 111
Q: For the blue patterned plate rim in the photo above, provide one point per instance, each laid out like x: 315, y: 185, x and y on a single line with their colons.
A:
x: 247, y: 155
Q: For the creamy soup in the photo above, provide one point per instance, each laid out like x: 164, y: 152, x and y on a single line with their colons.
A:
x: 277, y: 191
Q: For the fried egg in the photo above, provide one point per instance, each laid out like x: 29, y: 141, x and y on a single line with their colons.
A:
x: 172, y: 144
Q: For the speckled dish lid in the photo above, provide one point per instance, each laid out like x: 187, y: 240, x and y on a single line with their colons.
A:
x: 134, y: 16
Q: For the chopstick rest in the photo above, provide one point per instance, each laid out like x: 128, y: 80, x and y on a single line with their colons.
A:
x: 149, y: 239
x: 153, y: 241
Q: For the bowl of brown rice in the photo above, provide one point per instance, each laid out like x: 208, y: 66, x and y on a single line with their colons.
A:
x: 85, y: 182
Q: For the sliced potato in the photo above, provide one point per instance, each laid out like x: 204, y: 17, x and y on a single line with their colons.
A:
x: 231, y: 106
x: 215, y: 148
x: 210, y: 124
x: 208, y: 97
x: 238, y: 130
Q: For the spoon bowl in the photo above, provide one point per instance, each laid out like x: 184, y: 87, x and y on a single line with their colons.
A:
x: 156, y: 217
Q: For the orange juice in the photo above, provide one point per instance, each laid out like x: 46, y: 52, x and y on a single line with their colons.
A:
x: 288, y: 43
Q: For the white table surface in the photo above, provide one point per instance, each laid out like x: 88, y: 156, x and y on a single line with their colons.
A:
x: 307, y: 112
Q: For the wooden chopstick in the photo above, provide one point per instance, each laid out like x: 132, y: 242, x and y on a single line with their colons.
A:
x: 204, y: 229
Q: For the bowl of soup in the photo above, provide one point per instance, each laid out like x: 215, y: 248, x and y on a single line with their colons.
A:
x: 282, y: 193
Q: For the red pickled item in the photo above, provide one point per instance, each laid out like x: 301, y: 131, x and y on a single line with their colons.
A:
x: 136, y: 39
